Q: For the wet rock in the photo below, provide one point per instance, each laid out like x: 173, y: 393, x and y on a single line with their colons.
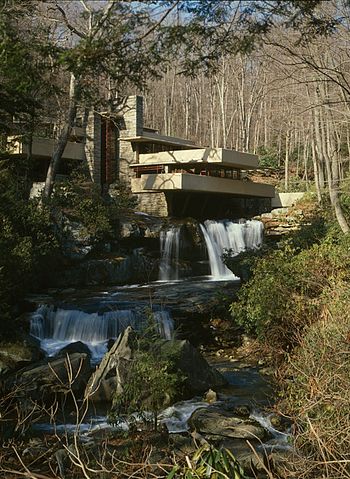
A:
x: 140, y: 226
x: 109, y: 377
x: 252, y: 462
x: 223, y: 423
x: 182, y: 445
x: 241, y: 411
x: 137, y: 267
x: 77, y: 347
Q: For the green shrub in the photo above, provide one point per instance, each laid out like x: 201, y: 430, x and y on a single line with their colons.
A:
x: 152, y: 380
x: 207, y: 462
x: 27, y: 239
x: 150, y: 386
x: 284, y: 294
x: 268, y: 157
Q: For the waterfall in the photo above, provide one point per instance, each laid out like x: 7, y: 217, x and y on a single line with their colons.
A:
x: 221, y: 236
x: 57, y: 327
x: 169, y: 248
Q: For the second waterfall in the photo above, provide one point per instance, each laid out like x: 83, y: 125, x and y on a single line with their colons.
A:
x: 219, y: 237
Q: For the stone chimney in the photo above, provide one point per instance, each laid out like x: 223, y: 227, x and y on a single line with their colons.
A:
x: 131, y: 126
x: 93, y: 141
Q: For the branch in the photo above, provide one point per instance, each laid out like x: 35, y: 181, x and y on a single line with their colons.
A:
x: 160, y: 21
x: 67, y: 22
x: 104, y: 17
x: 89, y: 10
x: 322, y: 70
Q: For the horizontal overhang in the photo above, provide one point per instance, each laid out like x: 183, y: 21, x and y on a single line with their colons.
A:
x: 218, y: 156
x: 202, y: 184
x: 44, y: 148
x: 150, y: 137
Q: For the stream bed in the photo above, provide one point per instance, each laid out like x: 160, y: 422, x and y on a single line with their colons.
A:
x: 228, y: 416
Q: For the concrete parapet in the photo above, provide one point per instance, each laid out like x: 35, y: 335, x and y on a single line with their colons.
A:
x: 284, y: 200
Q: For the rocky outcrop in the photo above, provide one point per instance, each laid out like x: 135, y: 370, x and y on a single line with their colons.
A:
x: 76, y: 242
x: 109, y: 376
x: 72, y: 348
x: 281, y: 221
x: 140, y: 225
x: 136, y: 267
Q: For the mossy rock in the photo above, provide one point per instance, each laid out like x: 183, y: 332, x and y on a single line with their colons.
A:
x: 15, y: 355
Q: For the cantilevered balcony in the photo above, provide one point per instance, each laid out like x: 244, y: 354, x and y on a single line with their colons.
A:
x: 43, y: 148
x: 205, y: 170
x: 200, y: 184
x: 205, y: 156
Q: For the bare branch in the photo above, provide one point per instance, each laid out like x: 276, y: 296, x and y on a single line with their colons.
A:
x: 68, y: 24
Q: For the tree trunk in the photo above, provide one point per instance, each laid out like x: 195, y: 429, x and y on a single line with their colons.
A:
x: 316, y: 173
x: 63, y: 139
x: 286, y: 162
x: 332, y: 177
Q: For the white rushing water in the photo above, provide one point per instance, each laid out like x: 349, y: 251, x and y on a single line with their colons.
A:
x: 170, y: 250
x: 280, y: 440
x: 221, y: 236
x: 58, y: 327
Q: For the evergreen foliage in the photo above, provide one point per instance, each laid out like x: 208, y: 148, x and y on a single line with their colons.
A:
x: 28, y: 246
x: 24, y: 84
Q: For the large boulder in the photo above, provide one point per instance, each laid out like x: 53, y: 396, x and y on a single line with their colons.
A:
x: 216, y: 422
x: 76, y: 347
x: 199, y: 375
x: 136, y: 267
x: 139, y: 225
x: 110, y: 376
x: 45, y: 379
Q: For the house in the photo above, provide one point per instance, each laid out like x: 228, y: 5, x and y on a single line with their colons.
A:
x: 170, y: 176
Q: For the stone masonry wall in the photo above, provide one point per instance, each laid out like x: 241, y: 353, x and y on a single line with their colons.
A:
x: 133, y: 126
x: 93, y: 146
x: 153, y: 203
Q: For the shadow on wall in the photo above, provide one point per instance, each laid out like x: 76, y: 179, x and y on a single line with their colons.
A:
x: 202, y: 206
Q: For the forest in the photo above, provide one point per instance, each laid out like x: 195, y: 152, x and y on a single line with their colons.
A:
x: 270, y: 78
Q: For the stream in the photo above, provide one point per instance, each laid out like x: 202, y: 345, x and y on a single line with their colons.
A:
x: 97, y: 317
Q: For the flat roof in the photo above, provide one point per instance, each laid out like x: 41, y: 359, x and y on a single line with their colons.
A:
x: 202, y: 156
x: 149, y: 137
